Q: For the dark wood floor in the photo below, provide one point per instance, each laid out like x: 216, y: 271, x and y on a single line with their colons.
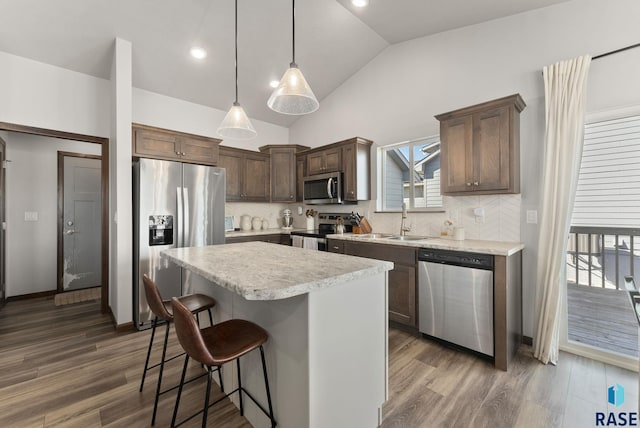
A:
x: 65, y: 366
x: 602, y: 318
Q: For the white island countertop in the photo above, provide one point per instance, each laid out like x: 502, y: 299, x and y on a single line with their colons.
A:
x: 263, y: 271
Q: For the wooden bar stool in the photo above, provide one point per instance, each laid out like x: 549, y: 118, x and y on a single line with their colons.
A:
x: 163, y: 312
x: 214, y: 346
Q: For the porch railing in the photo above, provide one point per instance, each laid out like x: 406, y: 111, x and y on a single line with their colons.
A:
x: 603, y: 256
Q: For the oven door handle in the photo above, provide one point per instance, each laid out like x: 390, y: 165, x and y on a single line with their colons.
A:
x: 330, y: 187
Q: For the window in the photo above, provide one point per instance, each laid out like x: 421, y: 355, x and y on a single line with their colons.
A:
x: 410, y: 173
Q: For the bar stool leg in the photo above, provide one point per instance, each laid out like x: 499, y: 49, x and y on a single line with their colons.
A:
x: 164, y: 354
x: 240, y: 387
x: 175, y: 408
x: 220, y: 378
x: 206, y: 398
x: 210, y: 318
x: 146, y: 363
x: 266, y: 384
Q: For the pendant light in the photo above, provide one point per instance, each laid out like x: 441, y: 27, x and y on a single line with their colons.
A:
x: 236, y: 123
x: 293, y: 95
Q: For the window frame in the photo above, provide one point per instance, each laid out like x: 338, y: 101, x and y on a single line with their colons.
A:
x: 381, y: 157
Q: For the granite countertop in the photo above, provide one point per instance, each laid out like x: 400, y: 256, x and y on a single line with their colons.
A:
x: 496, y: 248
x: 263, y: 271
x: 271, y: 231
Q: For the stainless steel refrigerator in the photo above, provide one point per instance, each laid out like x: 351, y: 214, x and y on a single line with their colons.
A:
x: 175, y: 205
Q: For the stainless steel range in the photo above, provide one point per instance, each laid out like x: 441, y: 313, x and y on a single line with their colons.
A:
x: 327, y: 225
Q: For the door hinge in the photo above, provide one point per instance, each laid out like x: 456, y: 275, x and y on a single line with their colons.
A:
x: 4, y: 225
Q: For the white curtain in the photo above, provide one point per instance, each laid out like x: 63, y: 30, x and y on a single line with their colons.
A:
x: 565, y: 97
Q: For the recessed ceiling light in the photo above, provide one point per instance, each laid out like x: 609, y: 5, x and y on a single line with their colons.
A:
x: 274, y: 83
x: 198, y: 53
x: 359, y: 3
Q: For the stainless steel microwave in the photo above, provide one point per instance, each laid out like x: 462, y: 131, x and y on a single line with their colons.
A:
x: 323, y: 189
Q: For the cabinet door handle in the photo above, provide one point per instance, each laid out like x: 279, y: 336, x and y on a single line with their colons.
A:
x: 468, y: 184
x: 475, y: 183
x: 336, y: 248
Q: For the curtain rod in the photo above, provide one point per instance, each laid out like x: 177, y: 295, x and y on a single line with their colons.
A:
x: 626, y: 48
x: 616, y: 51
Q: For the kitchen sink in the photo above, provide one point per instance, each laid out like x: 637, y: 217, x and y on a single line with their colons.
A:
x: 374, y: 235
x: 408, y: 238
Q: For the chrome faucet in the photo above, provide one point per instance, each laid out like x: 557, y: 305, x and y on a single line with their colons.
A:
x: 404, y: 228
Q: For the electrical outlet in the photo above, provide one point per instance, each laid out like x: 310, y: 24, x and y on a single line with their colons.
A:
x: 30, y: 216
x: 532, y: 216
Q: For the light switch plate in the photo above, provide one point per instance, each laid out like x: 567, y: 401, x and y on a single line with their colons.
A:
x: 30, y: 216
x: 532, y: 216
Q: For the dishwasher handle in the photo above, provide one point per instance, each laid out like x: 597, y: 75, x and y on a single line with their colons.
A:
x: 456, y: 258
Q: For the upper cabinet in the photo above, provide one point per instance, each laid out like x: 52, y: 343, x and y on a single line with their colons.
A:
x: 356, y: 168
x: 480, y: 148
x: 352, y: 157
x: 324, y: 160
x: 247, y: 174
x: 157, y: 143
x: 301, y: 172
x: 283, y: 167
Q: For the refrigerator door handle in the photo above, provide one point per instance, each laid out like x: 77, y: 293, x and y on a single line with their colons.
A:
x: 185, y: 218
x: 179, y: 225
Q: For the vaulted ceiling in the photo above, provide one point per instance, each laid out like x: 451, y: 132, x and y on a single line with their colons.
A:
x: 333, y: 40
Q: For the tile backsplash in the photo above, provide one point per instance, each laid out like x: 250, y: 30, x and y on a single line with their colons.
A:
x: 501, y: 220
x: 271, y: 212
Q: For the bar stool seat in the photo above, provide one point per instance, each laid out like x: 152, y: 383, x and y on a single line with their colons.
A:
x: 214, y: 346
x: 163, y: 312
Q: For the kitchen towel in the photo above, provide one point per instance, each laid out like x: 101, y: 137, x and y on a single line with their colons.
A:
x: 310, y: 243
x: 296, y: 241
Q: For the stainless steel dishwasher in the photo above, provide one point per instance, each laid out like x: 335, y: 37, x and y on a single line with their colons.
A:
x: 455, y: 299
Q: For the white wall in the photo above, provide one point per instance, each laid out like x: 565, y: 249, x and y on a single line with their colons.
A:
x: 45, y: 96
x: 395, y: 97
x: 32, y: 185
x: 165, y: 112
x: 120, y: 188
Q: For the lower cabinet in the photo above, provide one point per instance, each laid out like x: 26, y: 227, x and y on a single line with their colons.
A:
x: 402, y: 295
x: 274, y: 238
x: 402, y: 279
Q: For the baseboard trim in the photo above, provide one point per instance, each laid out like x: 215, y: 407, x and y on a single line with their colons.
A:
x: 32, y: 295
x: 125, y: 328
x: 527, y: 340
x: 120, y: 328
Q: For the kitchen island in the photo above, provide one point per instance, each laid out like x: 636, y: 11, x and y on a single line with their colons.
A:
x: 326, y: 315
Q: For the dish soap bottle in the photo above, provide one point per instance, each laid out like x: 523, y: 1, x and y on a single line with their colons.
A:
x: 447, y: 229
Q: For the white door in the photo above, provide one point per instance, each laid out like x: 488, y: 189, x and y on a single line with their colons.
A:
x: 81, y: 228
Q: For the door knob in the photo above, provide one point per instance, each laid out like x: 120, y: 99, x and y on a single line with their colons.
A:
x: 70, y: 232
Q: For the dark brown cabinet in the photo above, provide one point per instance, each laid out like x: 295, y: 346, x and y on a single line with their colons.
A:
x: 301, y: 170
x: 352, y: 157
x: 247, y: 175
x: 402, y: 279
x: 273, y: 238
x: 356, y: 168
x: 480, y: 148
x: 283, y: 167
x: 320, y: 161
x: 156, y: 143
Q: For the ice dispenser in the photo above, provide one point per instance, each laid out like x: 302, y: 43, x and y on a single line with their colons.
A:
x: 160, y: 230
